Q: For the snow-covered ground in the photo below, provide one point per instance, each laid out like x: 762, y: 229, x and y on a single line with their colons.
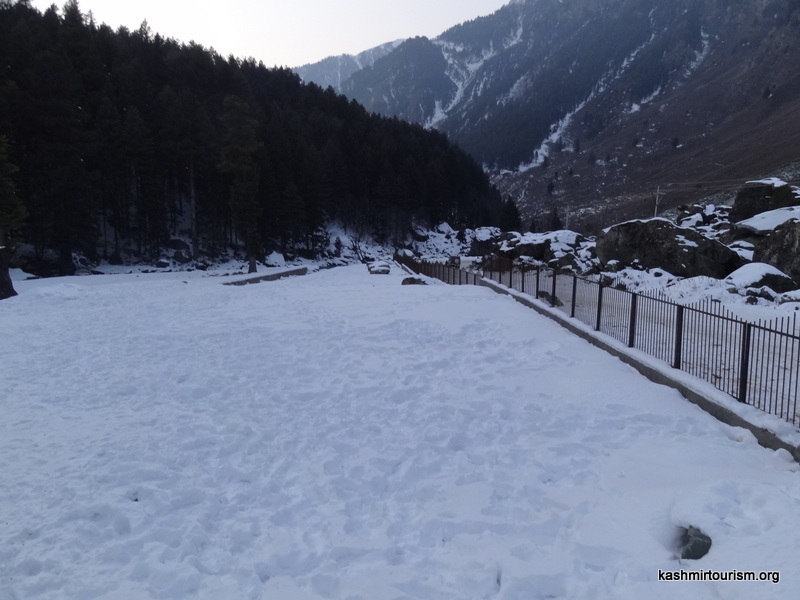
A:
x: 342, y: 436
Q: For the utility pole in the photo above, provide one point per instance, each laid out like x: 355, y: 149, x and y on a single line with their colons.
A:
x: 658, y: 200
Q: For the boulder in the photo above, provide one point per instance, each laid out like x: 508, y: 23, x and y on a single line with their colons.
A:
x: 413, y: 281
x: 693, y: 216
x: 693, y: 544
x: 757, y: 276
x: 781, y: 249
x: 535, y: 250
x: 559, y: 249
x: 658, y: 243
x: 765, y: 223
x: 418, y: 234
x: 765, y: 293
x: 484, y: 241
x: 181, y: 257
x: 760, y: 196
x: 275, y: 259
x: 379, y: 267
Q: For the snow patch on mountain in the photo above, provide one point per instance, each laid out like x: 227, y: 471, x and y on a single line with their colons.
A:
x: 700, y: 55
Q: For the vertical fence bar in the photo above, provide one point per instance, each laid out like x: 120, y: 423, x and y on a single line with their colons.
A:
x: 676, y: 363
x: 538, y: 274
x: 632, y: 326
x: 745, y: 368
x: 574, y: 294
x: 599, y: 306
x: 553, y: 292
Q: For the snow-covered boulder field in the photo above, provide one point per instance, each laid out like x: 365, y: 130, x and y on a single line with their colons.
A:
x: 341, y: 436
x: 659, y: 243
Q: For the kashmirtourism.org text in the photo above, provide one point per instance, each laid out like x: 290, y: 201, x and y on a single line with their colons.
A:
x: 683, y: 575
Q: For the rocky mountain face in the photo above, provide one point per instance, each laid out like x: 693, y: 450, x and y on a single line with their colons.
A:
x: 606, y: 109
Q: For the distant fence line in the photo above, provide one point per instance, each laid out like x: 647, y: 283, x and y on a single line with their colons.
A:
x: 755, y: 363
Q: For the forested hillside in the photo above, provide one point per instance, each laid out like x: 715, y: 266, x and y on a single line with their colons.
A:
x: 121, y: 140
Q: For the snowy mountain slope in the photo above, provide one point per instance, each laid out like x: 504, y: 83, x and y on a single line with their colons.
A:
x: 342, y: 436
x: 605, y: 98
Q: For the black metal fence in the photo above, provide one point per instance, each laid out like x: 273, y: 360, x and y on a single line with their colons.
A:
x: 757, y: 363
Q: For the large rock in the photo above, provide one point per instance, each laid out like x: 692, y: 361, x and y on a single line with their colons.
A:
x: 757, y: 275
x: 658, y: 243
x: 413, y: 281
x: 760, y: 196
x: 765, y: 223
x: 181, y: 257
x: 541, y: 246
x: 781, y: 249
x: 693, y: 544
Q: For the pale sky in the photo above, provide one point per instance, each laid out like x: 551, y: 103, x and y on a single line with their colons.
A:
x: 286, y: 32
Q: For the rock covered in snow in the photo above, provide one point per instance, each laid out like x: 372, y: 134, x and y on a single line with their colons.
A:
x: 760, y: 275
x: 379, y: 267
x: 275, y: 259
x: 413, y: 281
x: 761, y: 196
x: 562, y: 250
x: 781, y: 249
x: 766, y: 222
x: 658, y: 243
x: 710, y: 220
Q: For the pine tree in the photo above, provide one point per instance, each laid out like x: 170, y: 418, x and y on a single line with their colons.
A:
x: 509, y: 218
x: 238, y: 159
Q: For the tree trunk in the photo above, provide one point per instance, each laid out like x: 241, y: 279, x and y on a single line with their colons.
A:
x: 6, y: 286
x: 253, y: 265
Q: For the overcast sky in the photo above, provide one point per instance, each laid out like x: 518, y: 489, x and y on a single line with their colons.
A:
x: 287, y: 32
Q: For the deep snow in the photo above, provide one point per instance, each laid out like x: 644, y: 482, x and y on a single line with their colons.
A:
x: 342, y: 436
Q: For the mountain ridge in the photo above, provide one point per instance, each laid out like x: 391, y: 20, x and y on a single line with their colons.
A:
x: 589, y: 107
x: 334, y: 70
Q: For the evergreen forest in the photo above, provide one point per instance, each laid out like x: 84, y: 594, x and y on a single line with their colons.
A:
x: 113, y: 143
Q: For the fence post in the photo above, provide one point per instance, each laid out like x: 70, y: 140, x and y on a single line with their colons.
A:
x: 744, y: 372
x: 553, y: 294
x: 574, y: 294
x: 676, y: 363
x: 538, y: 273
x: 599, y: 305
x: 632, y: 326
